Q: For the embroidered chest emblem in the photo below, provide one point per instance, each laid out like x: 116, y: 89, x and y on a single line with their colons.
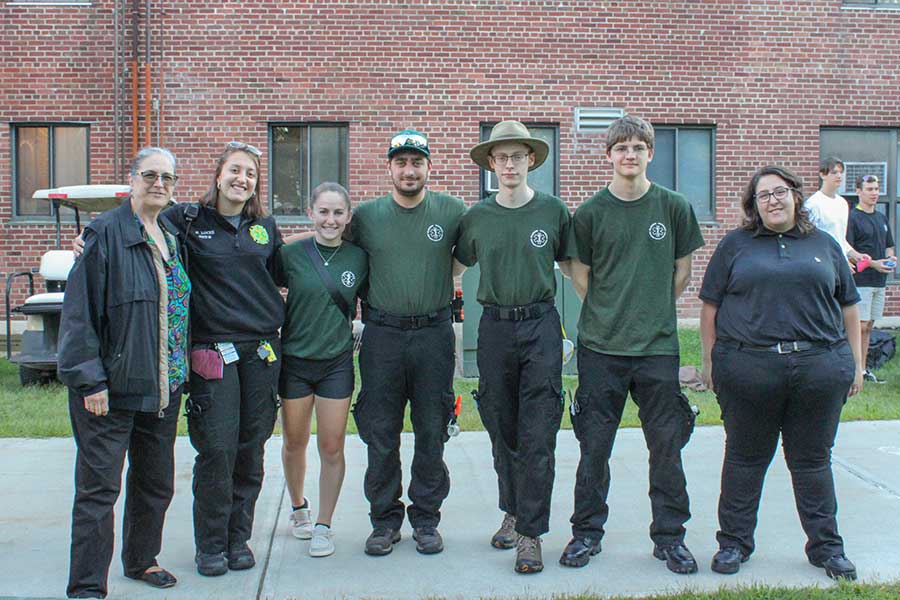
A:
x: 348, y: 279
x: 259, y: 234
x: 539, y: 238
x: 657, y: 231
x: 435, y: 232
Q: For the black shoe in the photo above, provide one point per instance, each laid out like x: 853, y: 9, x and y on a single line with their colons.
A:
x: 157, y: 579
x: 428, y: 540
x: 381, y: 541
x: 727, y: 560
x: 211, y: 565
x: 579, y: 551
x: 678, y: 558
x: 241, y: 558
x: 837, y: 567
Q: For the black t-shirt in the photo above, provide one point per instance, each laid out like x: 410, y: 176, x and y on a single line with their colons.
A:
x: 870, y: 234
x: 234, y: 297
x: 775, y: 287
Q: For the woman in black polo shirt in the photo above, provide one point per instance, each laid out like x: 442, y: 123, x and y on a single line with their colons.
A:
x: 780, y: 333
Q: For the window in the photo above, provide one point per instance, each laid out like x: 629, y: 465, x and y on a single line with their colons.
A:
x: 543, y: 179
x: 303, y: 156
x: 47, y: 156
x: 684, y: 161
x: 872, y: 3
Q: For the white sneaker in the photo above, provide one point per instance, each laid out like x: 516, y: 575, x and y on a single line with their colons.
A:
x: 322, y: 543
x: 301, y: 523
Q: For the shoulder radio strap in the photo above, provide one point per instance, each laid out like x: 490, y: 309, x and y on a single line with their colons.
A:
x: 327, y: 279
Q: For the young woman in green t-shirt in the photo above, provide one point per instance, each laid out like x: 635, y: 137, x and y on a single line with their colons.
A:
x: 317, y: 368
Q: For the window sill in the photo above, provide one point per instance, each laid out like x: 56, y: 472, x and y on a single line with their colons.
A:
x: 28, y: 221
x: 895, y: 7
x: 292, y: 220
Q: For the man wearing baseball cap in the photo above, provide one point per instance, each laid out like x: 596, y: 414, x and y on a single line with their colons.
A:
x: 407, y: 345
x: 516, y: 235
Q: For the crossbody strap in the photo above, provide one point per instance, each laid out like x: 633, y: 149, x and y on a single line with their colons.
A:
x: 325, y: 276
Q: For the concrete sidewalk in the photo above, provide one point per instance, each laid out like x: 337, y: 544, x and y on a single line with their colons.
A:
x: 36, y: 500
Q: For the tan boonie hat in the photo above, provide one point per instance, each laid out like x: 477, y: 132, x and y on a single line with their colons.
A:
x: 510, y: 131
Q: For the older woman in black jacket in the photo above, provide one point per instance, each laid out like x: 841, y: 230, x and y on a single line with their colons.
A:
x: 780, y: 332
x: 122, y: 352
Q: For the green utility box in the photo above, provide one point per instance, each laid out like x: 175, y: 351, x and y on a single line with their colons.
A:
x: 567, y: 303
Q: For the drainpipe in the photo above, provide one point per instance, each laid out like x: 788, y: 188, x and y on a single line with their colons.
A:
x: 135, y: 47
x: 148, y: 95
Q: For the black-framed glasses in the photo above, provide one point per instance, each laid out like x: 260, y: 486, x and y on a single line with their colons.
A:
x: 503, y: 159
x: 780, y: 193
x: 246, y: 147
x: 150, y: 178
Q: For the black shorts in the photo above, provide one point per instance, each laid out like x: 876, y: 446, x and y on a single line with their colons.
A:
x: 329, y: 378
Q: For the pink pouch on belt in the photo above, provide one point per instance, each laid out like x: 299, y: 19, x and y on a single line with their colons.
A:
x: 207, y: 363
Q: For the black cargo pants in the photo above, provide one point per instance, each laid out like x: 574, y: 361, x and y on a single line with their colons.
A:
x: 400, y: 364
x: 604, y: 382
x: 229, y: 421
x: 520, y: 402
x: 102, y: 443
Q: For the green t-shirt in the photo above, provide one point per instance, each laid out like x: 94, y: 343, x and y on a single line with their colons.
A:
x: 515, y: 248
x: 631, y: 248
x: 410, y: 252
x: 314, y: 326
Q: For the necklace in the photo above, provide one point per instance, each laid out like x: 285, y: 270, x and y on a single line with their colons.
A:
x: 319, y: 252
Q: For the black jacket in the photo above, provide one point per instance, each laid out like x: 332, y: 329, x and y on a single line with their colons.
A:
x: 109, y: 333
x: 233, y: 295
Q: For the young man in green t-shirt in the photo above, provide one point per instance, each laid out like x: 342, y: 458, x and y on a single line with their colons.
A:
x: 634, y: 241
x: 408, y: 345
x: 516, y: 235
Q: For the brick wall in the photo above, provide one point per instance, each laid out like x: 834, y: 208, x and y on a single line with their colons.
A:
x: 768, y: 74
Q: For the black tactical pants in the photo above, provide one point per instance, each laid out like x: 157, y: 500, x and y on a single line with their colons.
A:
x: 520, y: 403
x: 229, y: 421
x: 799, y: 395
x: 397, y: 366
x: 604, y: 382
x: 102, y: 443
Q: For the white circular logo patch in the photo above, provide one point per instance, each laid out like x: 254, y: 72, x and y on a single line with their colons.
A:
x: 435, y: 233
x: 657, y: 231
x: 348, y: 278
x: 539, y: 238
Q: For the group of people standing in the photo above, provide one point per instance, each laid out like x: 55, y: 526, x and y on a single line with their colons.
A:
x: 159, y: 292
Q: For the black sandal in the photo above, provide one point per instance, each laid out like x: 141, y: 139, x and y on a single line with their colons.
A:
x: 157, y: 579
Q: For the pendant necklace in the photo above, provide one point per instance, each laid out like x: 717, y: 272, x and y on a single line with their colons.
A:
x: 338, y: 249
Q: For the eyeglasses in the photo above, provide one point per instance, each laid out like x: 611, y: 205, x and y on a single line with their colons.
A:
x: 150, y: 177
x: 626, y: 149
x: 780, y: 194
x: 503, y: 159
x: 409, y: 139
x: 246, y: 147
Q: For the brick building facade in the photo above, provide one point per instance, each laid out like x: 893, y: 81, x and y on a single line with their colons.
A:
x: 732, y: 84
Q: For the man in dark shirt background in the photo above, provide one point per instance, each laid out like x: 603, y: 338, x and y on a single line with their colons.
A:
x: 869, y: 233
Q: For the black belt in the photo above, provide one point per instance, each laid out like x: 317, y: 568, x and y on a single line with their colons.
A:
x: 413, y: 322
x: 518, y: 313
x: 780, y: 347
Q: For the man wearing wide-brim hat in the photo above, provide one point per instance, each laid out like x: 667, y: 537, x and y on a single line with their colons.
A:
x: 516, y: 235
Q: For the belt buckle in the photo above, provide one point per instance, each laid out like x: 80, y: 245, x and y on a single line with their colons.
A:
x: 792, y: 347
x: 518, y: 313
x: 416, y: 322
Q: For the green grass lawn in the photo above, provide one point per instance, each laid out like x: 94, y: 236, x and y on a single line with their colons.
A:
x: 841, y: 591
x: 42, y: 411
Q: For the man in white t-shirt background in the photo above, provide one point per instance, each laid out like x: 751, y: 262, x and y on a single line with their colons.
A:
x: 828, y: 210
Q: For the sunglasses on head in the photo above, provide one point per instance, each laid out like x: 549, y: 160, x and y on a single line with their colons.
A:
x: 246, y: 147
x: 409, y: 139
